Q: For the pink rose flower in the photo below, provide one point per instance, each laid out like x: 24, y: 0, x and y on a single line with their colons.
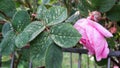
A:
x: 113, y: 30
x: 115, y: 67
x: 93, y: 37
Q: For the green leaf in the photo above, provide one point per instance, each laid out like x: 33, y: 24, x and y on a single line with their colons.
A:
x: 92, y: 5
x: 7, y: 7
x: 23, y: 64
x: 25, y: 54
x: 102, y: 5
x: 38, y: 63
x: 8, y: 43
x: 65, y: 35
x: 41, y: 11
x: 6, y: 28
x: 5, y: 58
x: 53, y: 1
x: 20, y: 20
x: 111, y: 42
x: 55, y: 15
x: 54, y: 57
x: 114, y: 13
x: 29, y: 33
x: 45, y: 1
x: 39, y: 46
x: 84, y: 6
x: 6, y: 64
